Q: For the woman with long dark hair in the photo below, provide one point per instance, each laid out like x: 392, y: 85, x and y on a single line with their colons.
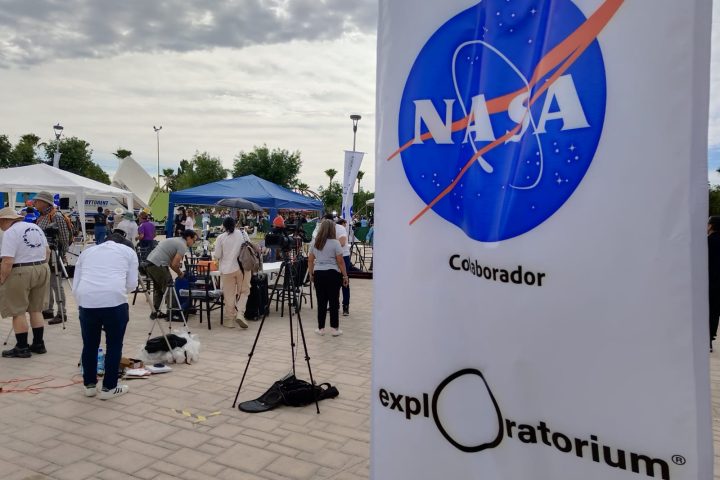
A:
x: 235, y: 282
x: 327, y: 272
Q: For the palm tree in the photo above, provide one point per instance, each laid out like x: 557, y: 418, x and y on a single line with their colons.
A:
x: 302, y: 187
x: 330, y: 172
x: 122, y: 153
x: 360, y: 176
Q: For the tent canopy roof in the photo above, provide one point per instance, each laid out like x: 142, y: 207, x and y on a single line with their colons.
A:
x: 264, y: 193
x: 35, y: 178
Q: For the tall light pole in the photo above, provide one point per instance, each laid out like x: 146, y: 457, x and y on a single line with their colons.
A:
x: 355, y: 119
x: 58, y: 129
x: 157, y: 134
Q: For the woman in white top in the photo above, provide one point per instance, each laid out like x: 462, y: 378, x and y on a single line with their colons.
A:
x: 235, y: 282
x: 190, y: 220
x: 327, y: 272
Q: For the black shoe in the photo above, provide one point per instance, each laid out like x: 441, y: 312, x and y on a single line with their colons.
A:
x: 47, y: 314
x: 346, y: 310
x: 155, y: 315
x: 38, y: 348
x: 15, y: 352
x: 55, y: 320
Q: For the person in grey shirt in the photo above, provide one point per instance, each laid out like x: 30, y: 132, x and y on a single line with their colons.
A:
x: 327, y: 272
x: 168, y: 255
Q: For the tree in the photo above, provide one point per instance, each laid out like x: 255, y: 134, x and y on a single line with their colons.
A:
x: 330, y: 172
x: 5, y: 151
x: 25, y: 152
x: 122, y: 153
x: 277, y: 166
x: 331, y: 196
x: 199, y: 170
x: 360, y: 176
x: 170, y: 179
x: 76, y: 157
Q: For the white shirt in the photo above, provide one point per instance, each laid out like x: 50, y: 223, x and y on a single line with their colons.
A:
x: 340, y: 232
x: 130, y: 228
x: 190, y: 223
x: 227, y: 250
x: 104, y: 274
x: 25, y: 242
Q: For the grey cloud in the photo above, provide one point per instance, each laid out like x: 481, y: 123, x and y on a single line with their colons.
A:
x: 36, y: 31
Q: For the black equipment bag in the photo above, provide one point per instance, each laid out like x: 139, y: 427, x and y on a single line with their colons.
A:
x: 257, y: 302
x: 158, y: 344
x: 291, y: 392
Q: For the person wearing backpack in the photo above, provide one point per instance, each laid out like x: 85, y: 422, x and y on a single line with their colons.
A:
x: 235, y: 280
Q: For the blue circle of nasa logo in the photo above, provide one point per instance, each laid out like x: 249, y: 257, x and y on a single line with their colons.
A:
x: 501, y: 115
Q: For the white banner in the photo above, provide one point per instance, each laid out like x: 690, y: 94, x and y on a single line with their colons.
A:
x: 540, y: 301
x: 353, y: 160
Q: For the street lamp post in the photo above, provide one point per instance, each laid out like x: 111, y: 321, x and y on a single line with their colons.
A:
x: 355, y: 119
x: 58, y: 129
x: 157, y: 133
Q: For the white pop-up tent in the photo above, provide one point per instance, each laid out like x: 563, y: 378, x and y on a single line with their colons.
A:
x: 131, y: 176
x: 36, y: 178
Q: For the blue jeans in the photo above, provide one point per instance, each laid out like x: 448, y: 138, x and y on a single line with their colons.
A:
x: 346, y: 290
x: 100, y: 233
x: 92, y: 321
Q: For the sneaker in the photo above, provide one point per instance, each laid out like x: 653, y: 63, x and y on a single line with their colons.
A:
x: 38, y: 348
x: 242, y: 323
x: 47, y: 314
x: 346, y: 310
x: 17, y: 352
x: 228, y: 324
x: 90, y: 390
x: 116, y: 392
x: 335, y: 332
x: 55, y: 320
x: 320, y: 331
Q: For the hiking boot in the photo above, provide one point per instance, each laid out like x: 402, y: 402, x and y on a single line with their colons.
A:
x: 90, y: 390
x: 346, y: 310
x: 55, y: 320
x: 47, y: 314
x: 38, y: 347
x: 17, y: 352
x: 116, y: 392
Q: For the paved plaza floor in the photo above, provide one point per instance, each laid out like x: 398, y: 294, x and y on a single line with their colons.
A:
x: 57, y: 433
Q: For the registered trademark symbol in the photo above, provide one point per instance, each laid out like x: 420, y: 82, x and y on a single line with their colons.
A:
x: 678, y: 460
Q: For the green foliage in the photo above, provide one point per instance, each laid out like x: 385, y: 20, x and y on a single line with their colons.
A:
x: 331, y: 172
x: 25, y: 152
x: 170, y: 179
x: 5, y: 151
x: 360, y: 176
x: 714, y: 192
x: 331, y: 196
x: 76, y: 157
x: 199, y: 170
x: 277, y: 166
x: 361, y: 199
x: 122, y: 153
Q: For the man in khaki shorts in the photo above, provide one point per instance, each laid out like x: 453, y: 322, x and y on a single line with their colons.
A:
x: 24, y: 281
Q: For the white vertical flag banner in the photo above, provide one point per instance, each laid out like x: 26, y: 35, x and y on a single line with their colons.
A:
x: 353, y: 160
x: 541, y: 304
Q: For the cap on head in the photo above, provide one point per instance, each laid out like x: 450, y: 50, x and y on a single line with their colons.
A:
x: 8, y: 213
x: 46, y: 197
x: 119, y: 211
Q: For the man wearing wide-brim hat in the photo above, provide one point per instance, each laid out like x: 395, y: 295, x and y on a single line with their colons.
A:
x: 24, y: 281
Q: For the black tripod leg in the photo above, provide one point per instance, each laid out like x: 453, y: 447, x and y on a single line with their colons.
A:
x: 250, y: 355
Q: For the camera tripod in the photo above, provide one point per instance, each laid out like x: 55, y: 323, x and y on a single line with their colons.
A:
x: 290, y: 293
x: 169, y: 295
x: 58, y: 273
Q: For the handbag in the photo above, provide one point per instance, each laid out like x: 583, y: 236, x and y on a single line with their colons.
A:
x: 249, y: 258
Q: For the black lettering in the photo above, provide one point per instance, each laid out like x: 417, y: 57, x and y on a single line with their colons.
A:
x: 466, y: 264
x: 509, y: 424
x: 594, y: 449
x: 384, y: 398
x: 452, y: 259
x: 412, y: 407
x: 526, y: 434
x: 650, y: 463
x: 516, y: 275
x: 504, y: 276
x: 396, y: 402
x: 472, y: 268
x: 487, y: 272
x: 543, y: 433
x: 540, y: 277
x: 495, y: 271
x: 530, y: 278
x: 579, y: 444
x: 557, y: 437
x: 426, y: 405
x: 620, y: 463
x: 478, y: 269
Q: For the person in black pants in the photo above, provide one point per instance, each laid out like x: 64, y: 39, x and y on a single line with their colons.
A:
x: 327, y: 272
x: 714, y: 274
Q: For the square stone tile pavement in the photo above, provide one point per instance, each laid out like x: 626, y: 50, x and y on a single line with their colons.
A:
x: 57, y: 433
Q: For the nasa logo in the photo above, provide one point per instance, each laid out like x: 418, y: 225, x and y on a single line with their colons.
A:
x: 502, y: 113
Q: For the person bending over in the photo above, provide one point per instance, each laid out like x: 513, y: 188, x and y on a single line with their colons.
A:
x: 168, y: 255
x: 104, y: 274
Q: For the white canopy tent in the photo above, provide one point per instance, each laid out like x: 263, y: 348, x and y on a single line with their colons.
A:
x: 133, y: 177
x: 36, y: 178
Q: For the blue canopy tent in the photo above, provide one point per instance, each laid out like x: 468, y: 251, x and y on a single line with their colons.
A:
x: 266, y: 194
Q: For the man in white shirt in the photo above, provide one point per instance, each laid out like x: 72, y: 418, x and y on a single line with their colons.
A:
x: 104, y: 274
x: 24, y: 281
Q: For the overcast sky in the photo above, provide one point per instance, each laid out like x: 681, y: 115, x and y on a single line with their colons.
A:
x: 219, y: 76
